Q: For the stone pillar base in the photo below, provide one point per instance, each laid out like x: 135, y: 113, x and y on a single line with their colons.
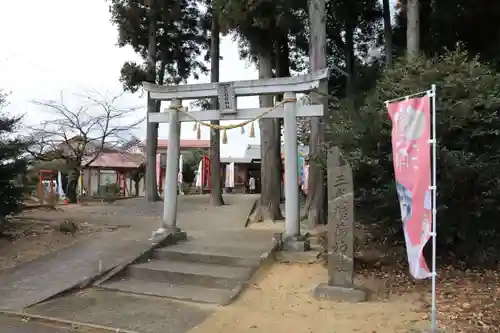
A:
x: 340, y: 293
x: 178, y: 235
x: 169, y: 235
x: 296, y: 244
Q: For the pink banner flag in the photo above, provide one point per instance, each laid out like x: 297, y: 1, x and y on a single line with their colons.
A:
x: 412, y: 167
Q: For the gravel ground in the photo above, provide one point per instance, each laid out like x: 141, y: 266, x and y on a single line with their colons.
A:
x: 282, y: 302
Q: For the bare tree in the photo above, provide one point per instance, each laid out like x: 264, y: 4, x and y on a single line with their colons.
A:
x: 79, y: 135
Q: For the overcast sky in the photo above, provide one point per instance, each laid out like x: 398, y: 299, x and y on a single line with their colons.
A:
x: 70, y: 46
x: 55, y: 46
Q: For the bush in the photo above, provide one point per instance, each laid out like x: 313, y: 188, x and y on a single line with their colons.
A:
x: 468, y: 130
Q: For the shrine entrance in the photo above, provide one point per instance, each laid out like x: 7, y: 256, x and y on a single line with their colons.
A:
x: 228, y: 92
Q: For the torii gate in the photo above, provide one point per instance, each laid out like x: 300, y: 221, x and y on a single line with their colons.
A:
x: 227, y: 92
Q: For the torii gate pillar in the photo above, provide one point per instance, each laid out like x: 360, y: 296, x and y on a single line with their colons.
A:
x: 292, y: 206
x: 169, y: 221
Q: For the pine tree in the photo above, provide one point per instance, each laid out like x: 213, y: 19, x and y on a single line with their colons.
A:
x: 172, y: 39
x: 11, y: 165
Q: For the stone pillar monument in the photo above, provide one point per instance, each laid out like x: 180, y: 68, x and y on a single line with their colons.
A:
x: 340, y: 284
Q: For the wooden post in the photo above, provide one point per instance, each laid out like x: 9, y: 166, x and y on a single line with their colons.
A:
x: 124, y: 182
x: 160, y: 181
x: 89, y: 182
x: 51, y: 185
x: 98, y: 191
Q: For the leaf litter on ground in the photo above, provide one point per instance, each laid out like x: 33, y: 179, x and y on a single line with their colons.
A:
x: 467, y: 300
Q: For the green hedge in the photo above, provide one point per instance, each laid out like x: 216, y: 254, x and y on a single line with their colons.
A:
x: 468, y: 130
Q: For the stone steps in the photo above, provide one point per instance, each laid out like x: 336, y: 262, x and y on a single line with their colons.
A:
x: 209, y: 255
x: 192, y: 271
x: 175, y: 291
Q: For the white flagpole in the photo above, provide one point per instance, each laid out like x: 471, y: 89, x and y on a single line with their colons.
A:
x: 433, y: 188
x: 434, y: 210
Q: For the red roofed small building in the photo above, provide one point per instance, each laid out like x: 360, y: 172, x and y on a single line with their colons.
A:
x: 118, y: 167
x: 161, y: 156
x: 121, y: 166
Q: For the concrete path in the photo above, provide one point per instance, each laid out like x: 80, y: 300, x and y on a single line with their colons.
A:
x: 125, y: 311
x: 13, y: 325
x: 53, y: 273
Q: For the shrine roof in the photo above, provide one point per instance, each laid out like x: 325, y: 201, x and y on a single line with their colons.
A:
x: 117, y: 160
x: 163, y: 143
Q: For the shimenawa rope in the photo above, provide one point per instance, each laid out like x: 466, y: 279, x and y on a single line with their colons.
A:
x: 199, y: 123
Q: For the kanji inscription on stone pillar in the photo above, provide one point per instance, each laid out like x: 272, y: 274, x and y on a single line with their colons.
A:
x: 341, y: 220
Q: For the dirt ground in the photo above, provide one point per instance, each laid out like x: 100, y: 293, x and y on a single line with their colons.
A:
x: 467, y: 300
x: 29, y: 237
x: 282, y: 302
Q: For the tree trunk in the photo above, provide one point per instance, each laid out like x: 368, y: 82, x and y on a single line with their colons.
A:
x: 282, y: 57
x: 412, y: 29
x: 350, y: 59
x: 161, y: 80
x: 215, y: 174
x: 387, y: 33
x: 72, y: 185
x: 316, y: 194
x: 153, y: 106
x: 137, y: 181
x: 161, y: 76
x: 269, y: 204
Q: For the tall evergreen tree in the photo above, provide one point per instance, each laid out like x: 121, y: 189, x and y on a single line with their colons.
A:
x: 12, y: 165
x: 263, y: 27
x: 257, y: 25
x: 215, y: 169
x: 181, y: 36
x: 152, y: 106
x: 443, y: 24
x: 351, y: 31
x: 316, y: 197
x: 412, y: 28
x: 170, y: 36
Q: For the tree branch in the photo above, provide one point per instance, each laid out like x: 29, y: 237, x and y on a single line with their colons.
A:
x: 80, y: 134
